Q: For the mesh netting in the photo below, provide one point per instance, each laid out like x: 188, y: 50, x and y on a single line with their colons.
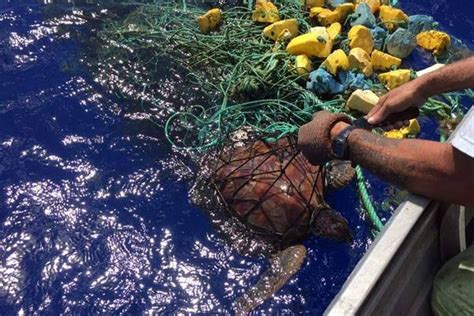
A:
x: 269, y: 186
x: 251, y: 80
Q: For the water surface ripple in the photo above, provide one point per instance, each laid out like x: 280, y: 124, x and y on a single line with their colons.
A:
x: 94, y: 209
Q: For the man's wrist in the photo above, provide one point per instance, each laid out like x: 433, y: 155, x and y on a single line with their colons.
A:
x: 424, y: 85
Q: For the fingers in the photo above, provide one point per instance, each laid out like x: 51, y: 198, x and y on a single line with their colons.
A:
x: 377, y: 106
x: 374, y: 111
x: 379, y: 112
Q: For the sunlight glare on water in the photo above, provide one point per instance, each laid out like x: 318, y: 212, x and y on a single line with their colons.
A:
x: 95, y: 215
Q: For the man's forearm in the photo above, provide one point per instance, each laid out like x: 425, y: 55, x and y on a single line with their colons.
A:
x: 456, y: 76
x: 424, y: 167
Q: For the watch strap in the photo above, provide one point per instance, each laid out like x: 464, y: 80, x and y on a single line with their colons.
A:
x: 362, y: 123
x: 339, y: 143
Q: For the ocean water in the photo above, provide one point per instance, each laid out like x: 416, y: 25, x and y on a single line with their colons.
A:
x: 94, y: 209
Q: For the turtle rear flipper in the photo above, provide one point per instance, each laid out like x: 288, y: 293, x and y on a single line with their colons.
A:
x: 283, y: 266
x: 339, y: 173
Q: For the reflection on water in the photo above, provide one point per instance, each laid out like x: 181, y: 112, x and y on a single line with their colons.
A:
x: 94, y: 214
x: 94, y: 205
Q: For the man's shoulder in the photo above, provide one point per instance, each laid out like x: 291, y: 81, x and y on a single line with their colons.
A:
x: 463, y: 137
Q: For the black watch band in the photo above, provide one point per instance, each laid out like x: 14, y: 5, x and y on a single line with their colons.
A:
x: 339, y: 143
x: 362, y: 123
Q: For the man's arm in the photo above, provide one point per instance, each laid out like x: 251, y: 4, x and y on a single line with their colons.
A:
x: 456, y: 76
x: 432, y: 169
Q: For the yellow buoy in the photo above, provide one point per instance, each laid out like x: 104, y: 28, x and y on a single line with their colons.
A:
x: 362, y: 101
x: 384, y: 61
x: 434, y: 41
x: 336, y: 61
x: 325, y: 16
x: 411, y: 130
x: 314, y: 3
x: 287, y: 28
x: 334, y: 30
x: 210, y: 20
x: 344, y: 10
x: 360, y: 36
x: 359, y: 59
x: 374, y: 5
x: 395, y: 78
x: 303, y: 65
x: 265, y: 12
x: 392, y: 17
x: 316, y: 43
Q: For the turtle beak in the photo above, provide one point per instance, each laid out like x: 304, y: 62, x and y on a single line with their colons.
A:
x: 341, y: 232
x: 331, y: 224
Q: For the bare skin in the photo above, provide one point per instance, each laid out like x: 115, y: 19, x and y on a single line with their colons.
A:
x: 457, y: 76
x: 436, y: 170
x: 428, y: 168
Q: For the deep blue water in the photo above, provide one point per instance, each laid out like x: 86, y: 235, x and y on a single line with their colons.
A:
x: 94, y: 210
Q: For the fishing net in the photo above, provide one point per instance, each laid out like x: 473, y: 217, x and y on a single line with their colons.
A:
x: 271, y: 187
x: 253, y: 176
x: 249, y: 80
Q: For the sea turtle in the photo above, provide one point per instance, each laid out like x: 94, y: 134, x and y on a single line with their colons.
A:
x: 272, y: 189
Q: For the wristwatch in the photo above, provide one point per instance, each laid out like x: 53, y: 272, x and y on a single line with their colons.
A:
x: 339, y: 143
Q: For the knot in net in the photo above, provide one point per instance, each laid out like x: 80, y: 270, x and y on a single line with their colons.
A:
x: 269, y: 186
x: 249, y: 82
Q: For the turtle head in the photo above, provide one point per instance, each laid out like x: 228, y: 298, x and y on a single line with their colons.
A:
x: 330, y: 224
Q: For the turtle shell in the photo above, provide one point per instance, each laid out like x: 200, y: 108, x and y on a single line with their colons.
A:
x: 270, y: 186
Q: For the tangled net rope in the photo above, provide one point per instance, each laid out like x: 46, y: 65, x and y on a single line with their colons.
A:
x: 251, y: 81
x: 273, y: 189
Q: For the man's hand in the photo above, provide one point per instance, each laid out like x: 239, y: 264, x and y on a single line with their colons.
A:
x: 314, y: 138
x: 456, y: 76
x: 408, y: 95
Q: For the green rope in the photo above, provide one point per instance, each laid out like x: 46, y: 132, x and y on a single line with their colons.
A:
x: 443, y: 138
x: 366, y: 201
x: 234, y: 65
x: 201, y: 128
x: 250, y: 80
x: 250, y: 5
x: 394, y: 3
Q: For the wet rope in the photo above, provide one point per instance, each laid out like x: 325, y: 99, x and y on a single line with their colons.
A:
x: 250, y: 80
x: 202, y: 128
x: 366, y: 200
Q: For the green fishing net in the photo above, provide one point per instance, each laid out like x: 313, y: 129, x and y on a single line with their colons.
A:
x: 249, y: 81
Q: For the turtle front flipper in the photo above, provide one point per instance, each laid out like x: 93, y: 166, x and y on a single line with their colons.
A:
x: 283, y: 266
x: 339, y: 173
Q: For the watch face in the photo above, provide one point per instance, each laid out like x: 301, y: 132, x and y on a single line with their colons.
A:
x: 338, y: 148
